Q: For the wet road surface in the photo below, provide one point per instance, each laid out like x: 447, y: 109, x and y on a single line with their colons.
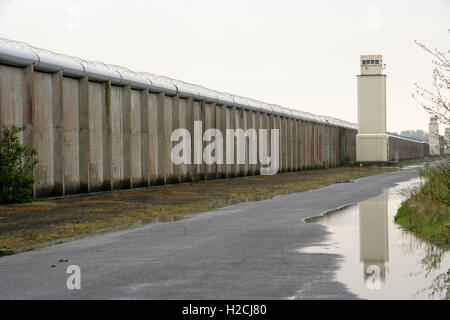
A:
x: 245, y: 251
x: 381, y: 260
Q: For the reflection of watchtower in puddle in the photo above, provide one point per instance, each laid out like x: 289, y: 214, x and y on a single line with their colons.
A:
x: 373, y: 235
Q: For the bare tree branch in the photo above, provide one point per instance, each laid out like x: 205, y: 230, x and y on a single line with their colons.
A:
x: 435, y: 100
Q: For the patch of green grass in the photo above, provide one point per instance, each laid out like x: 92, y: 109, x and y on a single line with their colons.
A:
x: 427, y: 211
x: 429, y: 219
x: 96, y: 210
x: 39, y: 204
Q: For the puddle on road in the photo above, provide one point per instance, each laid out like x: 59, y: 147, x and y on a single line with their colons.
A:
x: 382, y: 261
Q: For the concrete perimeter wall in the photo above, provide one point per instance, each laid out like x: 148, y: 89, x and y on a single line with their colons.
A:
x: 406, y: 149
x: 93, y: 136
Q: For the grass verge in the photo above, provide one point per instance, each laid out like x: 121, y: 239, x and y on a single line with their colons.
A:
x: 429, y: 219
x: 40, y: 223
x: 427, y: 212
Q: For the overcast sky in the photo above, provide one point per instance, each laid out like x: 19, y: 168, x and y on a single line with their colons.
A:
x: 298, y: 54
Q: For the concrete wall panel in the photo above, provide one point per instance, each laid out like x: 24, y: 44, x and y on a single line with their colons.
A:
x: 137, y: 176
x: 169, y: 107
x: 229, y: 169
x: 160, y: 139
x: 182, y: 124
x: 13, y: 97
x: 238, y: 125
x: 154, y: 128
x: 43, y: 133
x: 245, y: 126
x: 97, y: 115
x: 190, y: 127
x: 221, y: 125
x: 197, y: 154
x: 209, y: 123
x: 254, y: 124
x: 71, y: 150
x: 116, y: 121
x: 146, y: 156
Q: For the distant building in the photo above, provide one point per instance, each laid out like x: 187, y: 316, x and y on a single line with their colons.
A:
x: 447, y: 141
x: 434, y: 136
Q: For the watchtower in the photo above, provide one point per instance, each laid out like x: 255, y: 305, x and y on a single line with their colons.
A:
x: 371, y: 140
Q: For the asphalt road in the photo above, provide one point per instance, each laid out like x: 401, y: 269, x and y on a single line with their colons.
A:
x: 245, y: 251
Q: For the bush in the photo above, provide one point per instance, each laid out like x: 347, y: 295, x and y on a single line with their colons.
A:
x: 427, y: 211
x: 346, y: 161
x: 196, y: 177
x: 16, y: 167
x: 437, y: 181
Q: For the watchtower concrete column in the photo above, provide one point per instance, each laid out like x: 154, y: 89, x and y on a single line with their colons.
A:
x: 371, y: 140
